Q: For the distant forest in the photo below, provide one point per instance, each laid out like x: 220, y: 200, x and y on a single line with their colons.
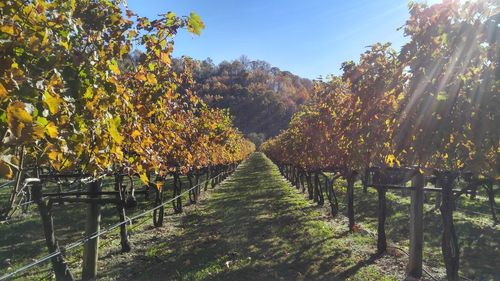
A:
x: 261, y: 98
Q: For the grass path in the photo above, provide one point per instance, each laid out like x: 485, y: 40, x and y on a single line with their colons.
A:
x: 255, y: 226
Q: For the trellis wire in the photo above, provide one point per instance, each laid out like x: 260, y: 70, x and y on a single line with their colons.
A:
x: 101, y: 232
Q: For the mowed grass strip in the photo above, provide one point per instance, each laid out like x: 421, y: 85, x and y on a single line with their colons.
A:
x: 255, y: 226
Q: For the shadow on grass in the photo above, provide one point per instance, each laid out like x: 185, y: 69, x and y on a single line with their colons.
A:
x: 22, y: 239
x: 479, y: 241
x: 253, y: 228
x: 352, y: 270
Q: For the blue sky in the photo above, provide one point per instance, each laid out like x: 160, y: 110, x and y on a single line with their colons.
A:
x: 306, y: 37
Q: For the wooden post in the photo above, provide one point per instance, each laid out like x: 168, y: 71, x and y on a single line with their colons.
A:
x: 120, y: 207
x: 414, y: 268
x: 197, y: 190
x: 207, y: 180
x: 295, y: 177
x: 177, y: 203
x: 437, y: 203
x: 491, y: 200
x: 296, y: 182
x: 332, y: 198
x: 319, y: 187
x: 350, y: 199
x: 92, y: 226
x: 449, y: 243
x: 315, y: 189
x: 473, y: 192
x: 60, y: 267
x: 191, y: 192
x: 158, y: 213
x: 213, y: 180
x: 366, y: 178
x: 309, y: 186
x: 302, y: 183
x: 382, y: 208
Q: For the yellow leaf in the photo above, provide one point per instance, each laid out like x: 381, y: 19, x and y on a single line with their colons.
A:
x: 52, y: 101
x: 9, y: 29
x: 152, y: 78
x: 37, y: 131
x: 18, y: 112
x: 45, y: 39
x: 51, y: 130
x: 113, y: 130
x: 3, y: 92
x: 159, y: 185
x: 64, y: 44
x: 5, y: 170
x: 117, y: 151
x: 135, y: 134
x: 140, y: 76
x: 114, y: 67
x: 52, y: 152
x: 165, y: 58
x: 144, y: 178
x: 391, y: 160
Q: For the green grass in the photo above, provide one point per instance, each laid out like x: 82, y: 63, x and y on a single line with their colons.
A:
x: 255, y: 226
x: 22, y: 240
x: 479, y: 240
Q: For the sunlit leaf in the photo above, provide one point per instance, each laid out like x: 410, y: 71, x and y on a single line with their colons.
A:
x: 5, y: 170
x: 113, y: 66
x: 113, y: 124
x: 9, y: 29
x: 53, y: 101
x: 51, y: 129
x: 195, y: 24
x: 3, y: 92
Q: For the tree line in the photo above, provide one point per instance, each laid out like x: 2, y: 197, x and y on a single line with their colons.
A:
x: 261, y: 98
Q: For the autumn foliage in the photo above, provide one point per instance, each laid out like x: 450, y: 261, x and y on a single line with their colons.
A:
x: 434, y: 105
x: 70, y: 100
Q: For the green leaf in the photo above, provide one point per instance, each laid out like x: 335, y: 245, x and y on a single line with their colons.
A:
x: 42, y: 121
x: 88, y: 93
x: 171, y: 18
x: 194, y: 24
